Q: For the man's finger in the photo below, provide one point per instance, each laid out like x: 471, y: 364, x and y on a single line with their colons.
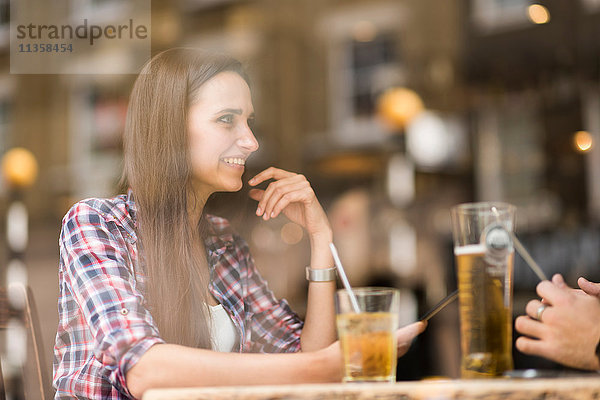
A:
x: 530, y: 327
x: 532, y: 346
x: 591, y: 288
x: 533, y: 307
x: 551, y: 293
x: 559, y: 281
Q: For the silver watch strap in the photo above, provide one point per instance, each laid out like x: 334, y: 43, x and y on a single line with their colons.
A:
x: 321, y: 275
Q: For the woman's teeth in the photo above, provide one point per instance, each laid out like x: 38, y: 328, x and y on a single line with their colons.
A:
x: 236, y: 161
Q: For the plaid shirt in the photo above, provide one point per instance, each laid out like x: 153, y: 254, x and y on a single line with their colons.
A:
x: 104, y: 327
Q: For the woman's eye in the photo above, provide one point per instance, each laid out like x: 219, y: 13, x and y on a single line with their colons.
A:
x: 228, y: 119
x: 251, y: 123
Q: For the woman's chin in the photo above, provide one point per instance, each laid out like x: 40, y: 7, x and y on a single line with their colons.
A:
x: 234, y: 187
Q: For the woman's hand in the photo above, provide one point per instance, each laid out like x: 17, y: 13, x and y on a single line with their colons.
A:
x: 332, y: 354
x: 405, y: 336
x: 330, y: 362
x: 291, y: 194
x: 568, y: 328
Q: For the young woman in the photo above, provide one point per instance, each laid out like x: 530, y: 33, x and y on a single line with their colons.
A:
x: 156, y: 293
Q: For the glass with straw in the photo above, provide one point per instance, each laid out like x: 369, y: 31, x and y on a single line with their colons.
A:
x: 367, y: 319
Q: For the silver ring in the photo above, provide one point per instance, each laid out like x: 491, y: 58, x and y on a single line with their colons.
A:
x: 540, y: 311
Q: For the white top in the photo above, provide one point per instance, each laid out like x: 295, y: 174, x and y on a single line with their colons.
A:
x: 222, y: 331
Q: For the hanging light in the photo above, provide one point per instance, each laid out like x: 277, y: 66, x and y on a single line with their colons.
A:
x: 399, y: 106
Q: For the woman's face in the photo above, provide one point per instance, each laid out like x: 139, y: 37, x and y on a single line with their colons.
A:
x: 219, y: 133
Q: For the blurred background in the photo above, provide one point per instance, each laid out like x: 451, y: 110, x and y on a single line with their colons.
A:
x: 395, y: 110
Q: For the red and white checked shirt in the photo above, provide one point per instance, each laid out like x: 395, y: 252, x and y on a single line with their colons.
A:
x: 104, y: 327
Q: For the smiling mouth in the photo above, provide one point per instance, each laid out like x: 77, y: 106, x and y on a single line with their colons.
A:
x: 234, y: 161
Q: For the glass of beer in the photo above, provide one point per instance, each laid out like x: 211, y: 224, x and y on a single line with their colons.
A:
x: 367, y: 337
x: 484, y: 259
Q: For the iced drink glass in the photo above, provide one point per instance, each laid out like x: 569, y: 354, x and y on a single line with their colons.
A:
x: 367, y: 338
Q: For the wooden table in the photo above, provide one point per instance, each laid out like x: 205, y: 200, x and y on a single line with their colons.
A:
x: 512, y: 389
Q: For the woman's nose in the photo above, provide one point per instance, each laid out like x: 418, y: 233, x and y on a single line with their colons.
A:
x: 247, y: 140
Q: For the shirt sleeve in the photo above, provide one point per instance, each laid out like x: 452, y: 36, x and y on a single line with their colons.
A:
x: 97, y: 268
x: 275, y: 328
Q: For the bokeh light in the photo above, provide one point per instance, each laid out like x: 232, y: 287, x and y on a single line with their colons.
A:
x: 19, y: 167
x: 538, y: 14
x: 364, y: 31
x: 291, y: 233
x: 583, y: 141
x: 264, y: 238
x: 399, y: 106
x: 428, y: 140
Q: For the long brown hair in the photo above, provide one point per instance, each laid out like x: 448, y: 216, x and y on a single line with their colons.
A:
x: 158, y: 170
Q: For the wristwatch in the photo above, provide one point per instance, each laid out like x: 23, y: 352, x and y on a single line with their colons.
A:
x: 320, y: 275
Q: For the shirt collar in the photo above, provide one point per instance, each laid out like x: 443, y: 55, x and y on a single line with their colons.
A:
x: 132, y: 207
x: 219, y: 236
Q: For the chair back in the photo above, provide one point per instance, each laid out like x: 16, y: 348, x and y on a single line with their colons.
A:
x: 2, y: 390
x: 32, y: 324
x: 4, y: 317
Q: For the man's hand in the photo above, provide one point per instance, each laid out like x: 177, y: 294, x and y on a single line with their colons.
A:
x: 591, y: 288
x: 564, y: 327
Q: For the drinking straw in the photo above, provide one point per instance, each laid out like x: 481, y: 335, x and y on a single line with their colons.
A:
x: 340, y: 269
x: 523, y: 252
x: 439, y: 306
x: 527, y: 257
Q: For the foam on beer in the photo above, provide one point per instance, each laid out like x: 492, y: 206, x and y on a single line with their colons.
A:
x: 470, y: 249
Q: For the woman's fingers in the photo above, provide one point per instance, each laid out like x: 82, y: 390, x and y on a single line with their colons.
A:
x: 402, y: 349
x: 405, y: 335
x: 299, y: 192
x: 276, y: 190
x: 270, y: 173
x: 256, y: 194
x: 293, y: 195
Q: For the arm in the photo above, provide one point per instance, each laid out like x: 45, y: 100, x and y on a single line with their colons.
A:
x: 292, y: 195
x: 274, y: 326
x: 569, y: 327
x: 169, y: 365
x: 105, y: 320
x: 319, y: 325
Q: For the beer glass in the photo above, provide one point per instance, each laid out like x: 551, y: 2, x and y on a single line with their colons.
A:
x: 368, y: 338
x: 484, y: 259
